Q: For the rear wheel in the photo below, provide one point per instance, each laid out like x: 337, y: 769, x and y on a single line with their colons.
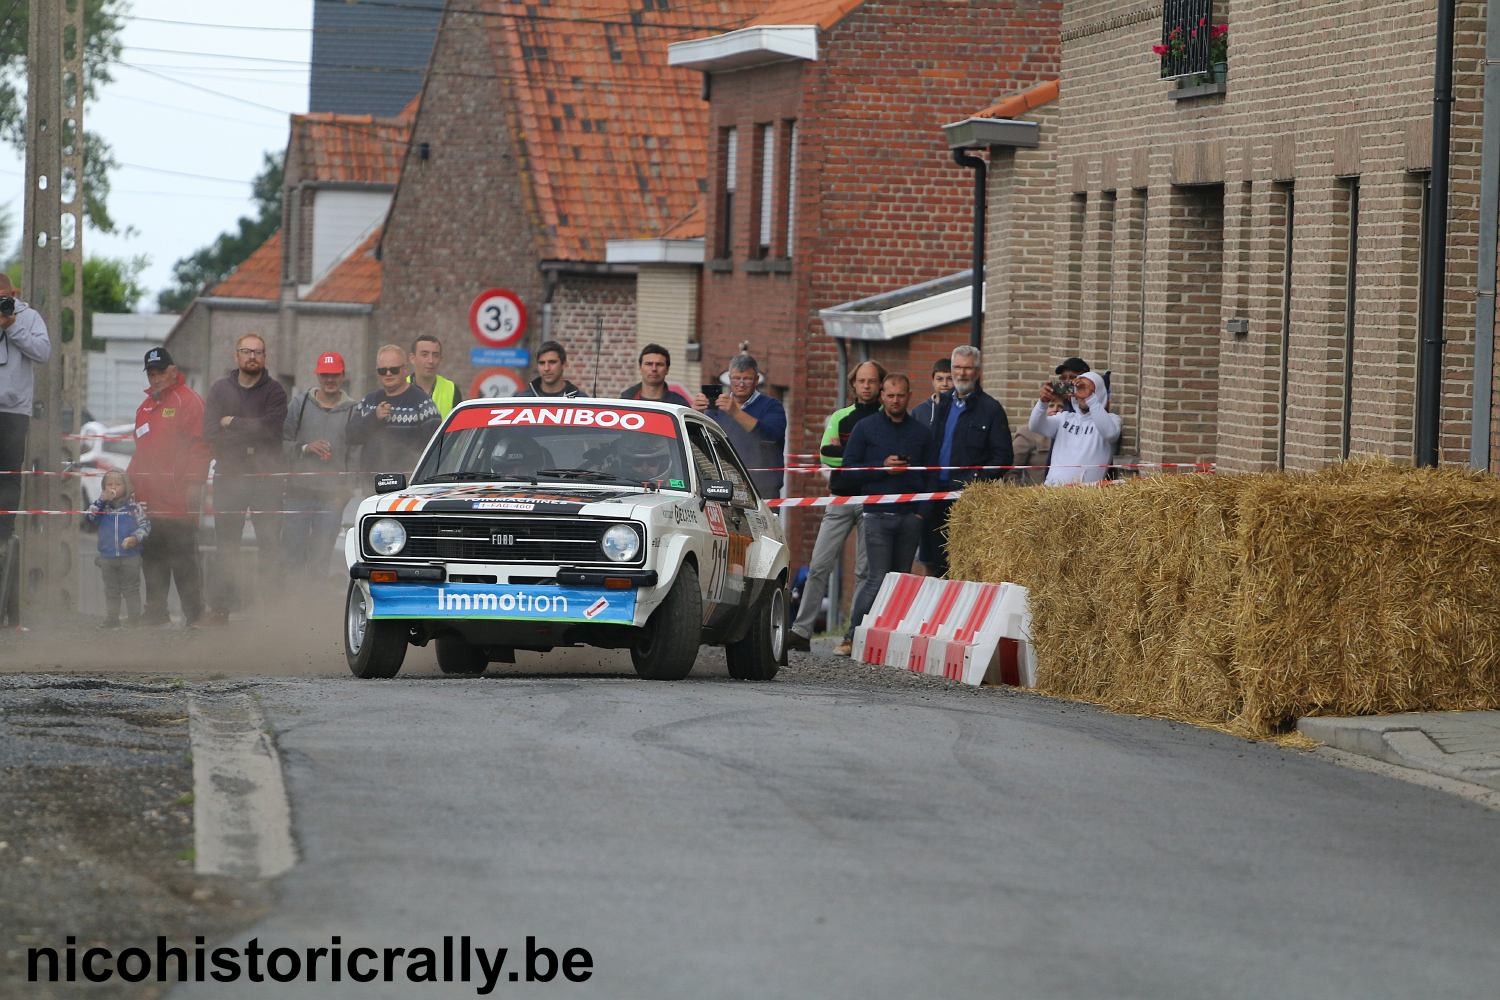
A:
x: 374, y: 649
x: 668, y: 645
x: 454, y: 656
x: 762, y: 651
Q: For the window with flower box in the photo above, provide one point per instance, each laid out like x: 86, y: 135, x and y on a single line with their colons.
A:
x: 1188, y: 38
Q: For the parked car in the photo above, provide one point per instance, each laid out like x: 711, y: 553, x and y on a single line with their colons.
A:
x: 532, y: 524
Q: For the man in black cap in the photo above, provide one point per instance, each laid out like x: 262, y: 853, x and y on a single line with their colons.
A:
x: 168, y: 469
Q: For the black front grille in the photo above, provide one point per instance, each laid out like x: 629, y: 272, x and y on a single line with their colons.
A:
x: 535, y: 540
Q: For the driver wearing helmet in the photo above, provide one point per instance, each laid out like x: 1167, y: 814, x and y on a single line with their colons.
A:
x: 645, y: 457
x: 516, y: 455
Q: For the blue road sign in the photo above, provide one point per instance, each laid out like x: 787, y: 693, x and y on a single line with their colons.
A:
x: 502, y: 357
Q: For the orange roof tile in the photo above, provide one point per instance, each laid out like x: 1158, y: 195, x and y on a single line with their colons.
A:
x: 689, y: 227
x: 257, y: 277
x: 611, y: 138
x: 356, y: 278
x: 824, y: 13
x: 1018, y: 104
x: 358, y: 148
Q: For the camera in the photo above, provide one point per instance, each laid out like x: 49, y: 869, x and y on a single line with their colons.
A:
x: 7, y: 305
x: 712, y: 391
x: 1061, y: 389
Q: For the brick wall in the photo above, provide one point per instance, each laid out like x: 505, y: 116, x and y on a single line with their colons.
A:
x: 880, y: 204
x: 1321, y: 96
x: 460, y: 222
x: 577, y: 305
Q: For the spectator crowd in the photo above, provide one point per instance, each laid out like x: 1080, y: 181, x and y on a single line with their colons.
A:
x: 285, y: 464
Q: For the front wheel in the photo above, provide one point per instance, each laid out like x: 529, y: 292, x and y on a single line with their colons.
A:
x: 762, y: 651
x: 668, y: 645
x: 374, y: 649
x: 454, y: 656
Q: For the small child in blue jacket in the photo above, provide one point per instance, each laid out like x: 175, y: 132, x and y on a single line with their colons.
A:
x: 123, y: 525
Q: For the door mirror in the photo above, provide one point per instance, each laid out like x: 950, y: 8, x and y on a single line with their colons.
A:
x: 721, y: 490
x: 390, y: 482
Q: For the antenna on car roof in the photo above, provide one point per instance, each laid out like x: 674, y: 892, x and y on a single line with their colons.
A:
x: 598, y: 340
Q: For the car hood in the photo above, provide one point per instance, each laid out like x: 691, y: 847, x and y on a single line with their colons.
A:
x: 517, y: 498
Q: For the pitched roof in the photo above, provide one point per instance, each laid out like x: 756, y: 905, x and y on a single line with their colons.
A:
x: 1027, y: 100
x: 356, y: 278
x: 689, y: 227
x: 351, y: 148
x: 257, y: 277
x: 611, y: 139
x: 824, y: 13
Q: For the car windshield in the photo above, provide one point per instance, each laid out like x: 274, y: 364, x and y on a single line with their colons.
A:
x: 538, y: 442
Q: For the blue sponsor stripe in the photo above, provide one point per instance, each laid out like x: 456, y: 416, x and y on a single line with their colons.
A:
x: 508, y: 603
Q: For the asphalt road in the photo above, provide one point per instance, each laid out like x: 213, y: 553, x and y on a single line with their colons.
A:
x: 842, y: 834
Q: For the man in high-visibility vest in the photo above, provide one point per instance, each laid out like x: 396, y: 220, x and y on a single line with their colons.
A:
x: 426, y: 356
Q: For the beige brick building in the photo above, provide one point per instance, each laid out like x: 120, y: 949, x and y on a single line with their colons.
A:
x: 1245, y: 257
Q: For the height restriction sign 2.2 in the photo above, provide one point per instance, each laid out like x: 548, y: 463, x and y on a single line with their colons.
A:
x: 497, y: 318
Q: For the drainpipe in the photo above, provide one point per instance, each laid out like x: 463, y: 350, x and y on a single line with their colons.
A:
x: 1489, y: 231
x: 976, y: 309
x: 1430, y: 391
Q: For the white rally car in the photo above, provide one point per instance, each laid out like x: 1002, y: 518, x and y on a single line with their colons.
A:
x: 536, y: 523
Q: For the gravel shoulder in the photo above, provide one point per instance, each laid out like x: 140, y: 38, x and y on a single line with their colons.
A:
x: 96, y: 829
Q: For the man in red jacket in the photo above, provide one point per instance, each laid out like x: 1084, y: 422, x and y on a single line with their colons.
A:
x: 168, y: 468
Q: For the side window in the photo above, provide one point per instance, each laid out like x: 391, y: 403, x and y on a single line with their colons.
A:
x: 702, y: 453
x: 744, y: 493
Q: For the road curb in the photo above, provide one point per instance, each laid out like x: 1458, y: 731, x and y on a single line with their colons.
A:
x: 242, y: 821
x: 1397, y: 740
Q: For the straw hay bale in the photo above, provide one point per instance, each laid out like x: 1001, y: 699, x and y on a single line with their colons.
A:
x: 1246, y: 601
x: 1368, y: 589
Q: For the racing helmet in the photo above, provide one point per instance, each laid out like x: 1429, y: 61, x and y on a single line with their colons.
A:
x: 644, y: 456
x: 513, y: 455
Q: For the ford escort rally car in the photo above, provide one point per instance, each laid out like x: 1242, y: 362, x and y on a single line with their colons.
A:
x: 532, y: 524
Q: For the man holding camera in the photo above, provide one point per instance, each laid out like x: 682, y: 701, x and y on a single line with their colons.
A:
x: 838, y: 520
x: 969, y: 428
x: 879, y: 457
x: 1074, y: 412
x: 755, y: 423
x: 23, y: 343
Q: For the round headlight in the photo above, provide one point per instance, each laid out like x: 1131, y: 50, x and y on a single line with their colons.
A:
x: 387, y: 537
x: 621, y: 543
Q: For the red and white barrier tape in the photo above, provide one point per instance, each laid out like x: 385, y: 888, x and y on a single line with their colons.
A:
x: 1196, y: 466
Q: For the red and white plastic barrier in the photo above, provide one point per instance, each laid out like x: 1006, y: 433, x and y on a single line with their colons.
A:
x: 964, y: 631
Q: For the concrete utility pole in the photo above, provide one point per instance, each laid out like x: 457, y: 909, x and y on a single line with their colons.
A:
x: 52, y: 234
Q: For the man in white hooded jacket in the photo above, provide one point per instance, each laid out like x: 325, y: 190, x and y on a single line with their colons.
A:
x: 1084, y: 437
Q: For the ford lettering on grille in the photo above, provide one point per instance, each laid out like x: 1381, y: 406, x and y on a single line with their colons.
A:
x: 502, y: 538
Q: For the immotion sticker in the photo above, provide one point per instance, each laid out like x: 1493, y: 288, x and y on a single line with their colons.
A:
x: 605, y: 417
x: 503, y: 602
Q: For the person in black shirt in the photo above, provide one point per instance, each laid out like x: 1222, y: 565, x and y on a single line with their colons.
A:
x: 655, y: 361
x: 394, y: 422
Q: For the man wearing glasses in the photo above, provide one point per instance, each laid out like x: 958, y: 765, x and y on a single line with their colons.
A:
x: 394, y: 422
x: 756, y: 424
x: 242, y: 419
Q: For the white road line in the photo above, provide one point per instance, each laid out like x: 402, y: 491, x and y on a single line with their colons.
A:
x: 242, y: 822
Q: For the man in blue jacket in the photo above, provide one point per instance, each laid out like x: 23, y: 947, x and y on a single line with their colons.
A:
x: 969, y: 427
x: 876, y: 460
x: 754, y: 422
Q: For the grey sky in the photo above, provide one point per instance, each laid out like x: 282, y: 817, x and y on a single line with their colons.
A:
x: 163, y: 123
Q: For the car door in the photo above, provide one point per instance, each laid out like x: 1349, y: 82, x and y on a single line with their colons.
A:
x: 718, y: 604
x: 739, y: 530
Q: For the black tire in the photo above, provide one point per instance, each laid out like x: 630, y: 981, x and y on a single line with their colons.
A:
x: 668, y: 645
x: 374, y: 649
x: 762, y: 651
x: 454, y: 656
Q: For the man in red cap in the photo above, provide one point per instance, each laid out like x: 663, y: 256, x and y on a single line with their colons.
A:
x: 316, y: 434
x: 168, y: 469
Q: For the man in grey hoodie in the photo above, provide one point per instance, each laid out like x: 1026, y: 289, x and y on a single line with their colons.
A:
x: 316, y: 434
x: 23, y: 343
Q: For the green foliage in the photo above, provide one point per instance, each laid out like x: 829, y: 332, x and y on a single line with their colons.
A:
x: 110, y: 285
x: 102, y: 21
x: 200, y: 271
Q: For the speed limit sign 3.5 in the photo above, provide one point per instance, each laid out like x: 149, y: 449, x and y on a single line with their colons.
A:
x: 497, y: 318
